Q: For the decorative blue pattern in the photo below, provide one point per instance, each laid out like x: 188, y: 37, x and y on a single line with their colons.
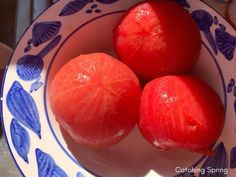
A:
x: 235, y: 106
x: 29, y: 67
x: 45, y: 31
x: 226, y: 43
x: 93, y: 9
x: 216, y: 21
x: 106, y: 1
x: 204, y: 21
x: 232, y: 82
x: 183, y: 3
x: 232, y: 88
x: 79, y: 174
x: 231, y: 85
x: 94, y: 6
x: 89, y: 11
x: 98, y: 11
x: 29, y: 41
x: 222, y: 27
x: 74, y: 7
x: 47, y: 166
x: 234, y: 91
x: 35, y: 86
x: 27, y: 49
x: 20, y: 139
x: 46, y: 163
x: 77, y: 5
x: 233, y: 158
x: 218, y: 161
x: 22, y: 106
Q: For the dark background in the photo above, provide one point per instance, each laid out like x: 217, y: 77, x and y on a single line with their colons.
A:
x: 7, y: 21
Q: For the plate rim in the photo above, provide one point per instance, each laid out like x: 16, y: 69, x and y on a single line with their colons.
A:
x: 3, y: 84
x: 11, y: 58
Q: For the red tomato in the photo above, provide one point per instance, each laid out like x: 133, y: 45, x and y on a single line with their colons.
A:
x: 96, y: 98
x: 157, y: 38
x: 181, y: 112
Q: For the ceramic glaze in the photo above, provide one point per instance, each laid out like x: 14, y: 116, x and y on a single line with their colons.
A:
x: 70, y: 28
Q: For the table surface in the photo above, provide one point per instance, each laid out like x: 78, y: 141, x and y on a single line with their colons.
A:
x: 7, y: 166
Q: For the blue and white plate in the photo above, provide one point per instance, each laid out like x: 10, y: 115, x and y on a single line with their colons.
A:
x: 72, y: 27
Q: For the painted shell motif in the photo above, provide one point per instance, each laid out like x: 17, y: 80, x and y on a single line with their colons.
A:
x: 22, y: 106
x: 74, y: 6
x: 233, y: 158
x: 29, y: 67
x: 226, y: 43
x: 204, y: 21
x: 106, y: 1
x: 20, y: 139
x: 77, y: 5
x: 45, y: 31
x: 47, y: 166
x: 218, y: 161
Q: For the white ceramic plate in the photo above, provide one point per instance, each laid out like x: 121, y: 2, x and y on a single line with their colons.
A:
x: 72, y: 27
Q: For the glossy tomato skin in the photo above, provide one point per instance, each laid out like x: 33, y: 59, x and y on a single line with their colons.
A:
x: 96, y: 98
x: 156, y: 38
x: 181, y: 112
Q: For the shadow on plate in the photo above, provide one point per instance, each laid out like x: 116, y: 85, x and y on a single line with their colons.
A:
x: 132, y: 157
